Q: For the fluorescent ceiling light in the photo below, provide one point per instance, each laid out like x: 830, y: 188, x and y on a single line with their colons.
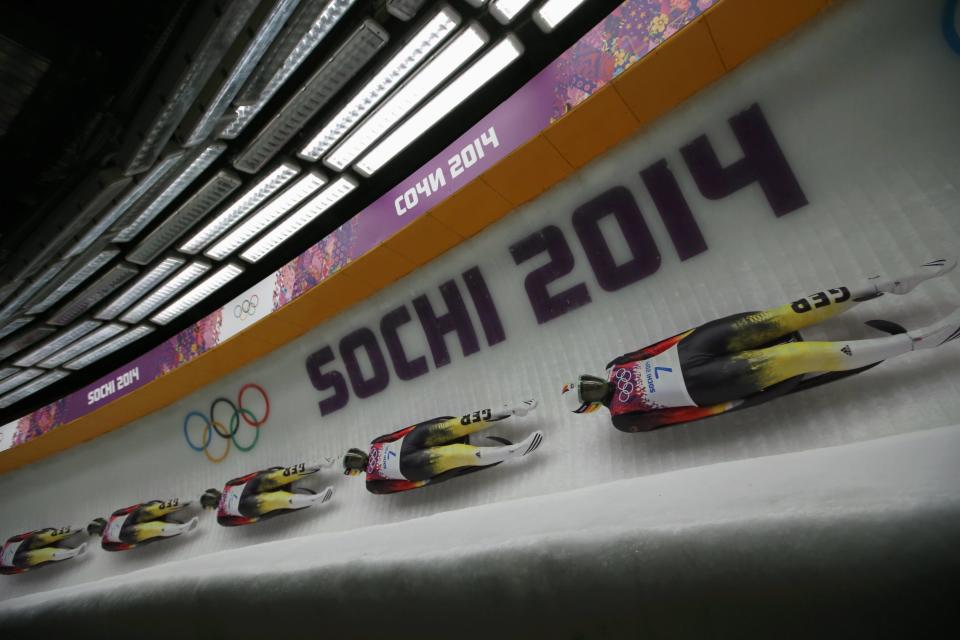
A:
x: 74, y: 280
x: 24, y: 376
x: 396, y: 69
x: 32, y: 387
x: 209, y: 286
x: 95, y: 354
x: 405, y: 99
x: 404, y: 9
x: 157, y: 174
x: 57, y: 342
x: 20, y: 341
x: 93, y: 294
x: 197, y: 165
x: 24, y: 294
x: 326, y: 199
x: 6, y: 372
x: 266, y: 216
x: 241, y: 70
x: 202, y: 64
x: 241, y: 207
x: 166, y: 291
x: 365, y: 41
x: 305, y: 31
x: 506, y: 10
x: 179, y: 222
x: 553, y: 12
x: 90, y: 340
x: 13, y: 325
x: 139, y: 288
x: 482, y: 71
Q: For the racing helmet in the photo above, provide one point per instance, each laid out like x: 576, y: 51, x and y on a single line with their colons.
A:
x: 354, y: 462
x: 210, y: 499
x: 96, y: 527
x: 585, y: 395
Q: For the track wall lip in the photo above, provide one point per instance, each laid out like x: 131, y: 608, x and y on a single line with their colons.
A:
x: 722, y: 38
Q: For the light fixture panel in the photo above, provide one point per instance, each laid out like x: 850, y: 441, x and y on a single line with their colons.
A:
x: 92, y: 294
x: 180, y: 221
x: 306, y: 29
x: 240, y: 207
x: 401, y: 64
x: 267, y: 215
x: 506, y: 10
x: 157, y: 174
x: 83, y: 344
x: 20, y: 341
x: 553, y: 12
x: 405, y: 99
x: 31, y: 388
x: 57, y: 342
x: 164, y: 292
x: 300, y: 218
x: 241, y: 70
x: 196, y: 164
x: 74, y: 280
x: 21, y: 378
x: 491, y: 63
x: 365, y: 41
x: 139, y: 288
x: 192, y: 297
x: 129, y: 337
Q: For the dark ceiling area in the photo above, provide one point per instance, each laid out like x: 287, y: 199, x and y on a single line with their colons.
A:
x: 125, y: 129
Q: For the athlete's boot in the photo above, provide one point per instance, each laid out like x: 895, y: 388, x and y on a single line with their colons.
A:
x: 171, y: 529
x: 492, y: 455
x: 65, y: 553
x: 938, y: 333
x: 304, y: 498
x: 906, y: 284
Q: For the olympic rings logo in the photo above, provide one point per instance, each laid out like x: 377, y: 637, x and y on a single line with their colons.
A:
x: 624, y: 384
x: 247, y: 308
x: 211, y: 424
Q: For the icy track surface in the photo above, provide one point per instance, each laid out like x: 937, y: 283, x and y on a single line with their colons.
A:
x: 863, y: 104
x: 832, y: 535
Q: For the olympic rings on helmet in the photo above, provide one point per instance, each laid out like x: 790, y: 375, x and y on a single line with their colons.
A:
x: 247, y: 308
x: 212, y: 425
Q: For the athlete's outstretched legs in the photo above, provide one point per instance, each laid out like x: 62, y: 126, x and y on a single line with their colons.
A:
x: 752, y: 330
x: 428, y: 463
x: 449, y: 430
x: 285, y: 500
x: 161, y: 529
x: 48, y: 554
x: 742, y: 374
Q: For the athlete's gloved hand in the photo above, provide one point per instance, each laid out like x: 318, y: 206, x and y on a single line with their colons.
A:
x: 520, y: 408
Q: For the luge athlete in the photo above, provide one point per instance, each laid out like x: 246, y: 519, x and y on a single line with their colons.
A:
x: 141, y: 524
x: 437, y: 450
x: 750, y: 358
x: 38, y: 548
x: 264, y: 494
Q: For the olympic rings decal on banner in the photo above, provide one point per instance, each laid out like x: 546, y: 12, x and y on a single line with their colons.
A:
x: 212, y: 425
x: 247, y: 308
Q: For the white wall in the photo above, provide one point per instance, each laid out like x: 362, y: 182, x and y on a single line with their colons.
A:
x: 864, y: 106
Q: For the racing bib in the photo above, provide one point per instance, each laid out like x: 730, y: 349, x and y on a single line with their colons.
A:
x: 646, y: 385
x: 384, y: 461
x: 9, y: 552
x: 114, y: 527
x: 230, y: 501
